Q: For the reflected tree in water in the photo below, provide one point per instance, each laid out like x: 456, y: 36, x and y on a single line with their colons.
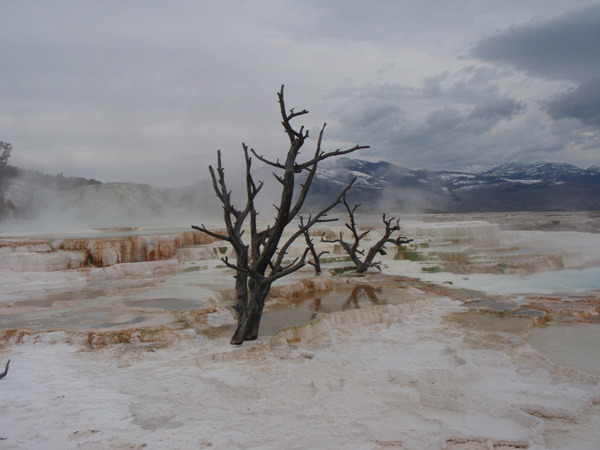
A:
x: 360, y: 292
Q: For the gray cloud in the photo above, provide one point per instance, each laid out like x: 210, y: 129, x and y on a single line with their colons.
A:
x: 468, y: 85
x: 448, y: 135
x: 448, y: 122
x: 495, y: 109
x: 374, y: 116
x: 146, y: 91
x: 582, y: 103
x: 566, y: 47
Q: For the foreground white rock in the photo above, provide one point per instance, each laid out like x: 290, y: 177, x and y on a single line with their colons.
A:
x: 413, y: 380
x: 386, y: 376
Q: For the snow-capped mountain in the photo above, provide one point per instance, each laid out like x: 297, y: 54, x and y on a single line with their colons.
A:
x: 556, y: 172
x: 379, y: 186
x: 383, y: 174
x: 595, y: 169
x: 512, y: 186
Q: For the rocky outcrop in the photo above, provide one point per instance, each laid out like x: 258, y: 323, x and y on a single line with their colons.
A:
x: 43, y: 262
x: 44, y: 255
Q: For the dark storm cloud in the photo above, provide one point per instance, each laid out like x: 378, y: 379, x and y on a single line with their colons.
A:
x: 471, y: 84
x: 495, y: 109
x: 564, y: 48
x: 582, y: 103
x: 452, y: 139
x: 453, y: 131
x: 373, y: 115
x: 444, y: 123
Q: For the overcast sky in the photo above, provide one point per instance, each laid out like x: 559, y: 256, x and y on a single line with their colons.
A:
x: 147, y: 91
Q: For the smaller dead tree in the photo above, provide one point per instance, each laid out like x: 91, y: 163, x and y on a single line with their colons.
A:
x: 364, y: 262
x: 316, y: 256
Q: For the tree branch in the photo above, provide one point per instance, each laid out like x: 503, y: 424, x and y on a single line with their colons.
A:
x: 312, y: 221
x: 324, y: 156
x: 266, y: 161
x: 289, y: 269
x: 286, y: 118
x: 203, y: 229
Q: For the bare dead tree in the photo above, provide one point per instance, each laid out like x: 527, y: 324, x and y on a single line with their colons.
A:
x: 262, y: 261
x: 316, y: 256
x: 364, y: 262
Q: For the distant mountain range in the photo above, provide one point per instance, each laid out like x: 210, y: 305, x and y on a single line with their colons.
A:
x: 556, y: 172
x: 515, y: 186
x: 379, y: 186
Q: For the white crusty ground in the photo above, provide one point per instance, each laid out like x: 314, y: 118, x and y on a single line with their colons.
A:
x: 392, y: 376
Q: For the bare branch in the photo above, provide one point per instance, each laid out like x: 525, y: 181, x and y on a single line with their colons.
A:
x: 314, y: 220
x: 293, y: 114
x: 316, y: 262
x: 203, y: 229
x: 333, y: 219
x: 401, y: 240
x: 286, y: 118
x: 266, y: 161
x: 308, y: 180
x: 289, y: 269
x: 337, y: 152
x: 234, y: 266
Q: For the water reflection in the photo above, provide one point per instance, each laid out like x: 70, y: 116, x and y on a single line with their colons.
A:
x: 119, y: 304
x: 299, y: 312
x: 360, y: 292
x: 354, y: 300
x: 354, y: 297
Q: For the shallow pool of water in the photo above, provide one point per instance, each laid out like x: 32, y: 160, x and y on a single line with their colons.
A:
x: 301, y: 311
x: 278, y: 318
x: 296, y: 312
x: 555, y: 282
x: 78, y: 319
x: 168, y: 303
x: 574, y: 345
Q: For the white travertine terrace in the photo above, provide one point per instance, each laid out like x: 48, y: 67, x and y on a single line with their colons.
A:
x: 118, y: 370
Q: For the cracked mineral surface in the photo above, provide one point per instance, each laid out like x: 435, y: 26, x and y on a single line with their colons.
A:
x: 483, y: 333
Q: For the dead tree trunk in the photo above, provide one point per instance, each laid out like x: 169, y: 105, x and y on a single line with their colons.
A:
x: 263, y: 260
x: 364, y: 262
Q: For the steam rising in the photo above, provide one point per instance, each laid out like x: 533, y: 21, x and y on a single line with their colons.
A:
x: 108, y: 205
x: 113, y: 205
